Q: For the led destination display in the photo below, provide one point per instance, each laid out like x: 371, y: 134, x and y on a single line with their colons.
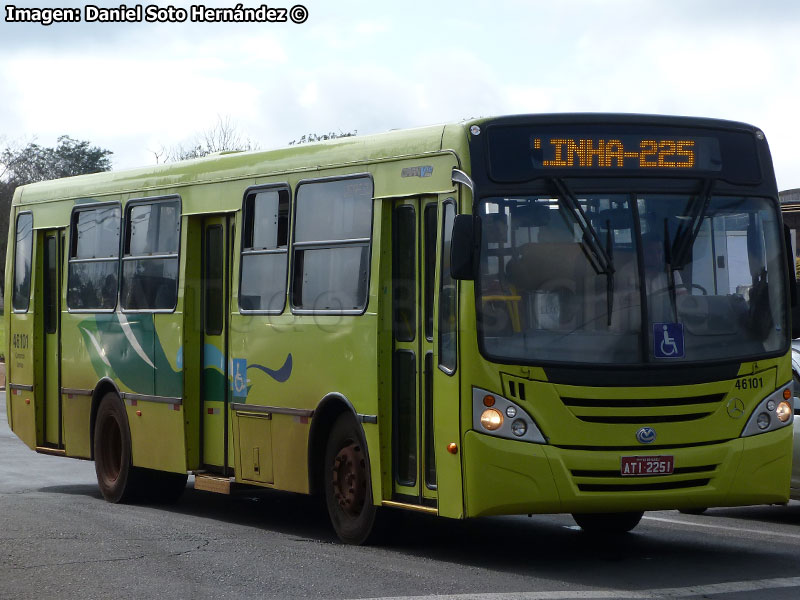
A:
x: 519, y: 152
x: 627, y: 151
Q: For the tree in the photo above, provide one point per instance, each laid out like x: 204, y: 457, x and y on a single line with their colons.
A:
x: 224, y: 136
x: 33, y: 162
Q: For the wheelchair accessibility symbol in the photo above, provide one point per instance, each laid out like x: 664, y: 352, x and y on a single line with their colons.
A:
x: 668, y: 340
x: 239, y: 378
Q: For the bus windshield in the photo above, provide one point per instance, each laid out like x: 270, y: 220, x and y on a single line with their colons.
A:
x: 693, y: 278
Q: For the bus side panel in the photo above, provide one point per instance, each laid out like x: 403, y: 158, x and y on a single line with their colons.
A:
x: 23, y: 417
x: 26, y: 421
x: 446, y: 407
x: 77, y: 411
x: 157, y: 436
x: 77, y: 374
x: 157, y: 428
x: 189, y: 356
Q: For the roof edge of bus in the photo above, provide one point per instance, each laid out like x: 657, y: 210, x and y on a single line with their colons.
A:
x: 241, y: 165
x: 616, y: 118
x: 316, y: 156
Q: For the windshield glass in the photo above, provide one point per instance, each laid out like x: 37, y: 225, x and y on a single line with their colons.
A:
x: 692, y: 278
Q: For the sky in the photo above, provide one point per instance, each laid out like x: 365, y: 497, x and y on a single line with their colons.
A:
x: 138, y: 88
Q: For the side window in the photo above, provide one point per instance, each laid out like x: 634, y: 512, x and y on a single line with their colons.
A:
x: 93, y: 258
x: 333, y: 223
x: 150, y: 257
x: 22, y: 262
x: 448, y: 298
x: 262, y: 285
x: 429, y: 259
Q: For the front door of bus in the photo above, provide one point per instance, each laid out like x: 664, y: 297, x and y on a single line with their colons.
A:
x: 215, y: 308
x: 50, y: 275
x: 413, y: 267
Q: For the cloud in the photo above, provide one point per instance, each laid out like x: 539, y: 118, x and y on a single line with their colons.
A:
x: 354, y: 66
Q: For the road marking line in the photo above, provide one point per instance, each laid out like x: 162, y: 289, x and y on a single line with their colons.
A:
x: 731, y: 587
x: 725, y: 527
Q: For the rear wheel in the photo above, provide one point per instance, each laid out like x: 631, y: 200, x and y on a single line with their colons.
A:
x: 112, y: 451
x: 609, y: 523
x: 348, y: 490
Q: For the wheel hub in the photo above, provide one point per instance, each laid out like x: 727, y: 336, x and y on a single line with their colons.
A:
x: 350, y: 479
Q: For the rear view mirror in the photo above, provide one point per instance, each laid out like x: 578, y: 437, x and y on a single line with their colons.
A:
x: 463, y: 248
x: 794, y: 287
x: 795, y: 322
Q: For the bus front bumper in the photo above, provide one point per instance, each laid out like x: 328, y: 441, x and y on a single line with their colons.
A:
x: 510, y: 477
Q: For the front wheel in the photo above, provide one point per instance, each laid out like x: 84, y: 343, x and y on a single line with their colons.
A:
x: 348, y: 490
x: 692, y: 511
x: 609, y: 523
x: 161, y: 487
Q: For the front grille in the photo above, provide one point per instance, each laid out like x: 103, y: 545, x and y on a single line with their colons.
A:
x: 642, y: 402
x: 642, y: 487
x: 630, y: 410
x: 639, y: 447
x: 645, y: 418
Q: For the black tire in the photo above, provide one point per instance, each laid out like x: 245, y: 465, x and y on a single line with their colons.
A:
x: 348, y: 488
x: 112, y: 451
x: 161, y: 487
x: 692, y: 511
x: 608, y: 523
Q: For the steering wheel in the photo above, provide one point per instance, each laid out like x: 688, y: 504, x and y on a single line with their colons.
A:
x: 681, y: 285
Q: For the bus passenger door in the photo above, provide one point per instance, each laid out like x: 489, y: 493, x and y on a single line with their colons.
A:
x: 215, y: 285
x: 413, y: 266
x: 50, y: 275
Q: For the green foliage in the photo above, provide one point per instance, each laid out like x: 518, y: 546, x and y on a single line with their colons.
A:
x: 33, y: 162
x: 39, y: 163
x: 321, y: 137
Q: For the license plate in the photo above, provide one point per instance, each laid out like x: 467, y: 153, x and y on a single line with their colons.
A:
x: 643, y: 466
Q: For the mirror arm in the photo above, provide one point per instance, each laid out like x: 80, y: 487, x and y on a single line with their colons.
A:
x: 459, y: 176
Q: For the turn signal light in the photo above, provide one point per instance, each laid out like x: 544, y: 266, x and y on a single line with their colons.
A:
x: 488, y: 400
x: 452, y: 448
x: 787, y: 393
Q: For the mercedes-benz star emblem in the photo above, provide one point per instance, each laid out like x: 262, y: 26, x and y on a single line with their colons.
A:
x: 646, y: 435
x: 735, y: 408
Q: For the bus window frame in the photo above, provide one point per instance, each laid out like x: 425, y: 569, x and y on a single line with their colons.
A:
x: 130, y: 204
x: 15, y: 310
x: 80, y: 208
x: 369, y: 241
x: 289, y: 240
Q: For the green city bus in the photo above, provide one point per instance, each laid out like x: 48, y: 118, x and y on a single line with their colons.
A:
x: 583, y: 314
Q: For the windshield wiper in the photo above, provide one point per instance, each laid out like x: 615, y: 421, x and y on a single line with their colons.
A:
x: 599, y: 257
x: 687, y: 232
x: 601, y: 261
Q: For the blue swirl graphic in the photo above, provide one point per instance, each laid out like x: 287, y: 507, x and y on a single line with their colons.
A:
x: 281, y: 374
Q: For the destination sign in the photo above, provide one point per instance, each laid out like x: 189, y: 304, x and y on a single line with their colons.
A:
x: 517, y: 151
x: 625, y: 152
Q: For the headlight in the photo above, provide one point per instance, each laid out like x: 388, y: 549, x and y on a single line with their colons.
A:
x: 784, y: 411
x: 491, y: 419
x: 498, y: 416
x: 773, y: 412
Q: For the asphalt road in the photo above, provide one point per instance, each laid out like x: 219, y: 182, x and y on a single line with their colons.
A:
x: 60, y: 540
